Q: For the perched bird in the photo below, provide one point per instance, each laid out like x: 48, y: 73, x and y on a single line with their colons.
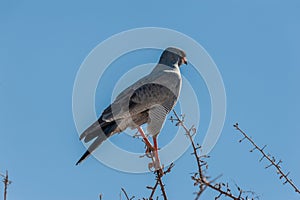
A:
x: 148, y: 100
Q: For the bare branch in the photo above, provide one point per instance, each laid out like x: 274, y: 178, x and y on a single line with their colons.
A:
x: 153, y: 190
x: 162, y: 186
x: 160, y: 183
x: 199, y: 177
x: 272, y: 160
x: 6, y: 182
x: 125, y: 193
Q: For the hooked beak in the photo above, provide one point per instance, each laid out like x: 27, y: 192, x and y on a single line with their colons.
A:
x: 184, y: 60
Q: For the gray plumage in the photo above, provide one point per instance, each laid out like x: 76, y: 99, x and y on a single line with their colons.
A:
x: 148, y: 100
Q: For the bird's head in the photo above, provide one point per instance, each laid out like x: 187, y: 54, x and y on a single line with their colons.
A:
x: 173, y: 56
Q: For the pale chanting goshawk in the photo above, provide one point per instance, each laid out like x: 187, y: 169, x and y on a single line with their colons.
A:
x: 148, y: 100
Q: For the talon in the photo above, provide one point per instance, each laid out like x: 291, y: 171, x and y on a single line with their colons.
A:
x: 149, y: 152
x: 158, y: 167
x: 150, y: 166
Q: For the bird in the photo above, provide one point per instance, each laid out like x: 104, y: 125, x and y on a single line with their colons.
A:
x: 147, y: 101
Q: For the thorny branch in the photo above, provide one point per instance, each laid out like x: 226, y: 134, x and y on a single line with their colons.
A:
x: 6, y: 182
x: 125, y: 193
x: 205, y: 182
x: 153, y: 189
x: 270, y: 158
x: 199, y: 177
x: 160, y: 183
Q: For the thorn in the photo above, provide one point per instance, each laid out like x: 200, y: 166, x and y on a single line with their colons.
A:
x: 241, y: 140
x: 280, y: 161
x: 236, y: 125
x: 268, y: 166
x: 262, y: 158
x: 253, y: 149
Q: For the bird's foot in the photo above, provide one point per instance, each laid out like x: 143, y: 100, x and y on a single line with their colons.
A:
x: 150, y: 151
x: 155, y: 167
x: 159, y: 169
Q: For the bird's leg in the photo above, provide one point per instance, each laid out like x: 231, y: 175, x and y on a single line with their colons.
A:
x: 147, y: 142
x: 157, y: 161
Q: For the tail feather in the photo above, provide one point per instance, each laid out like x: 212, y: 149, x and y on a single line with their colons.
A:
x: 83, y: 157
x: 104, y: 129
x: 91, y: 148
x: 91, y: 136
x: 101, y: 133
x: 94, y: 129
x: 96, y: 126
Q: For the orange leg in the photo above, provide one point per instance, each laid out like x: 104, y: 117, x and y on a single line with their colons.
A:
x: 147, y: 142
x: 157, y: 161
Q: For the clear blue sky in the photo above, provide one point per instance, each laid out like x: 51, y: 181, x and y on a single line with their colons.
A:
x: 255, y: 45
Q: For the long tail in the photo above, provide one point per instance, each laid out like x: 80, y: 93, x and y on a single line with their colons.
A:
x: 99, y: 130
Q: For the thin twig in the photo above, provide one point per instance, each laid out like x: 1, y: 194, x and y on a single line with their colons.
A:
x: 188, y: 133
x: 153, y: 190
x: 160, y: 183
x: 199, y: 177
x: 162, y: 186
x: 272, y: 160
x: 6, y: 182
x: 125, y: 193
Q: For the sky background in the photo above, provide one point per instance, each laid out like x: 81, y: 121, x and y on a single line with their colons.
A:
x: 255, y: 45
